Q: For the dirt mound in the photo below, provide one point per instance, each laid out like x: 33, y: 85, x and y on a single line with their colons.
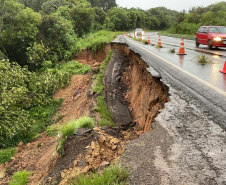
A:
x: 103, y: 149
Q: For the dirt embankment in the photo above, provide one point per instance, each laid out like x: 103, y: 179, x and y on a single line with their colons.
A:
x: 146, y: 95
x: 132, y: 95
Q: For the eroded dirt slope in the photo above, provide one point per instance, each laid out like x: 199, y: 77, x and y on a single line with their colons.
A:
x: 146, y: 95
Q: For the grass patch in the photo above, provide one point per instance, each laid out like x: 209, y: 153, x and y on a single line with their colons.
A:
x: 137, y: 39
x: 74, y: 67
x: 52, y: 130
x: 157, y: 46
x: 111, y: 175
x: 202, y: 59
x: 6, y: 154
x: 96, y: 41
x: 166, y: 33
x: 144, y: 41
x: 65, y: 131
x: 106, y: 117
x: 20, y: 178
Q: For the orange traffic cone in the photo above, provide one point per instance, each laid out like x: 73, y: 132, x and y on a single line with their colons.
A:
x: 130, y: 34
x: 224, y: 69
x: 181, y: 50
x: 140, y: 37
x: 159, y: 41
x: 123, y: 33
x: 126, y: 33
x: 135, y: 37
x: 149, y: 40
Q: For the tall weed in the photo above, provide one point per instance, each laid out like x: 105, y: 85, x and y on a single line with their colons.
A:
x: 69, y: 129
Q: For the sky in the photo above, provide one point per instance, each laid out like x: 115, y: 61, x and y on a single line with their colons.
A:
x: 178, y: 5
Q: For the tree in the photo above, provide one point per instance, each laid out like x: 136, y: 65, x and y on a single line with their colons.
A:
x: 83, y: 19
x: 52, y: 6
x: 99, y: 18
x: 57, y: 34
x: 104, y: 4
x: 19, y: 30
x: 33, y: 4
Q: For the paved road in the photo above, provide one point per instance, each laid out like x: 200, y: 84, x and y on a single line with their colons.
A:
x: 189, y: 44
x: 187, y: 145
x: 204, y: 82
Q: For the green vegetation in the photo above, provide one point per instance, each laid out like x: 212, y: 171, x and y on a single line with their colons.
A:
x: 111, y: 175
x: 202, y: 59
x: 52, y: 130
x: 27, y: 106
x: 166, y: 33
x: 6, y: 154
x: 137, y: 39
x: 172, y: 50
x: 20, y: 178
x: 67, y: 130
x: 188, y: 23
x: 157, y: 46
x: 144, y: 41
x: 74, y: 67
x: 106, y: 117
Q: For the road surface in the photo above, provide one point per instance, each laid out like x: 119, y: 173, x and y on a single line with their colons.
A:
x: 187, y: 145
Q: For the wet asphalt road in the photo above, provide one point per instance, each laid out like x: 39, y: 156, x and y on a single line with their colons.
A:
x: 205, y: 82
x: 187, y: 145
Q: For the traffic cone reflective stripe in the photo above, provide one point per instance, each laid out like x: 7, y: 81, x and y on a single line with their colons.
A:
x: 149, y: 41
x: 181, y: 50
x: 224, y: 69
x: 159, y: 41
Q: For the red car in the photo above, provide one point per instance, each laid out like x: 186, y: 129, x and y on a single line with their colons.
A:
x: 211, y: 36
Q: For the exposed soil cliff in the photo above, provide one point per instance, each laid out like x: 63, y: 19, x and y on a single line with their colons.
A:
x: 146, y: 94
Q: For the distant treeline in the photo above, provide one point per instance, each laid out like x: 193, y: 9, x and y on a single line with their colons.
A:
x: 32, y: 31
x: 188, y: 23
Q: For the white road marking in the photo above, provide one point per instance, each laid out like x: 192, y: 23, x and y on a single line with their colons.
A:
x: 191, y: 75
